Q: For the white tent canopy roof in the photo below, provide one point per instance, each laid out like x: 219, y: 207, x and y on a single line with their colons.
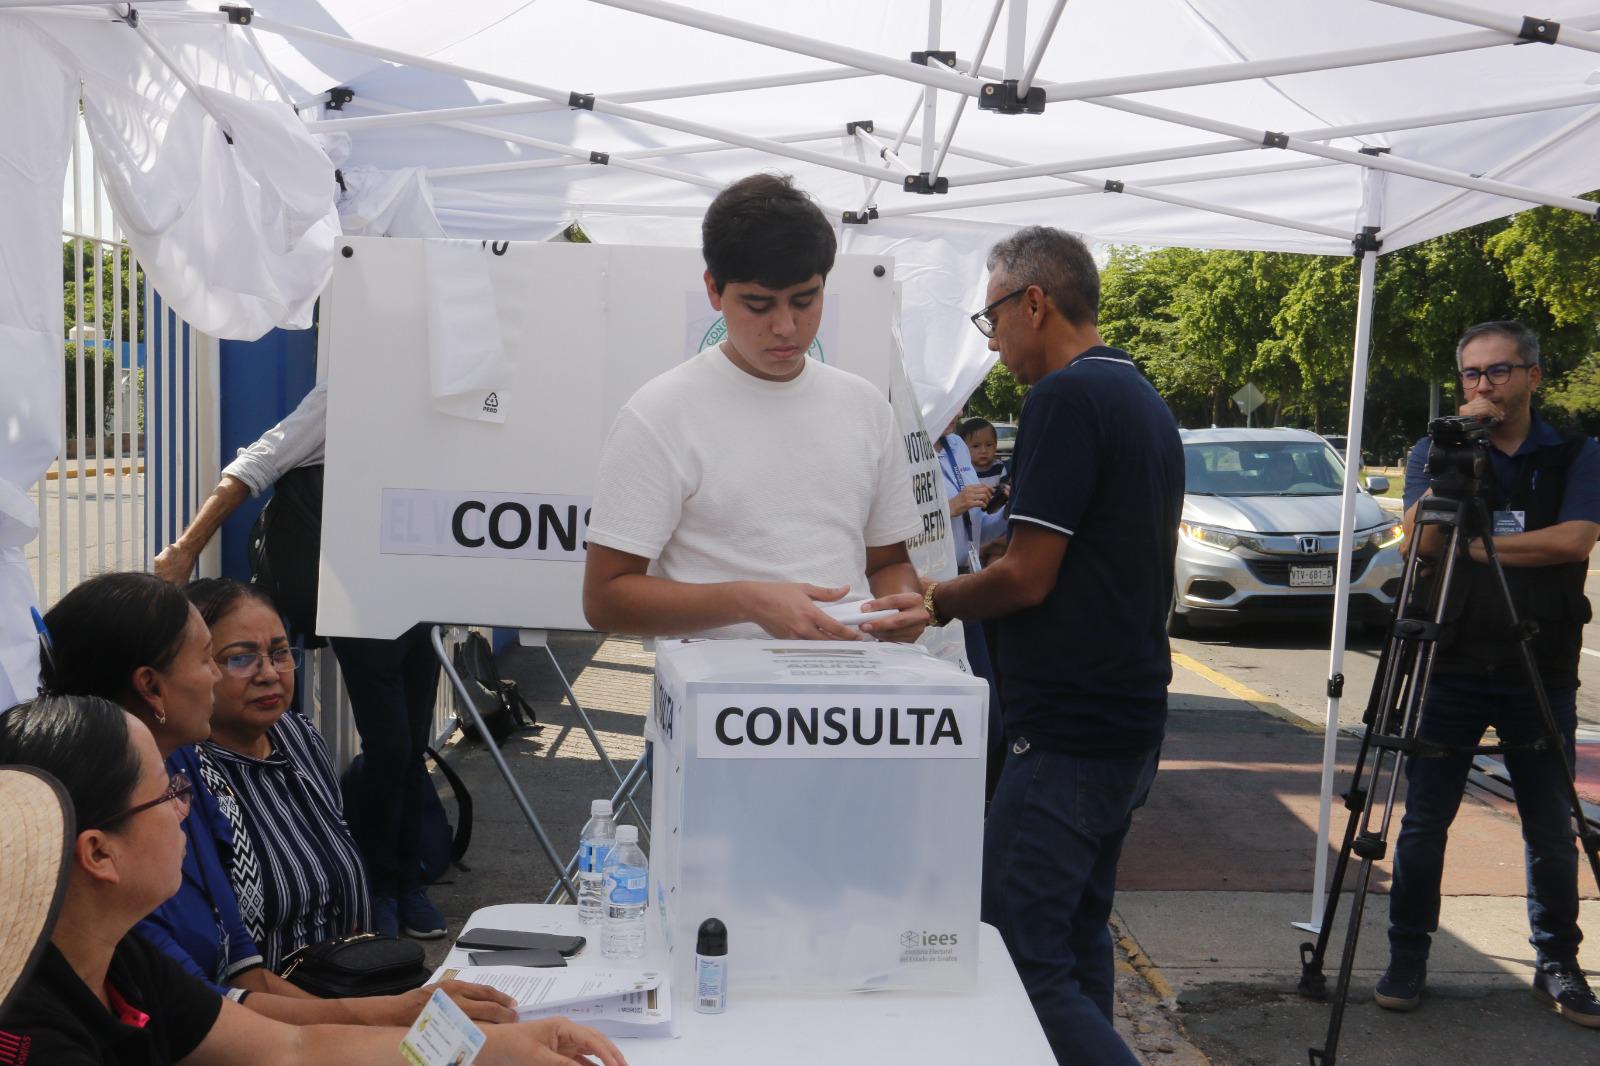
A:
x: 1096, y: 126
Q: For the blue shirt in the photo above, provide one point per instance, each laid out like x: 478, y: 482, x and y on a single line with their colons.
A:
x: 200, y: 927
x: 1099, y: 461
x: 955, y: 467
x: 1579, y: 502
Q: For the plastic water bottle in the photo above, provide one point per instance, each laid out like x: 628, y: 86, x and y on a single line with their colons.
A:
x: 594, y: 843
x: 627, y: 888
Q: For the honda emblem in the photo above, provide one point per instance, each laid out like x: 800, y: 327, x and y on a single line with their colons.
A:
x: 1308, y: 545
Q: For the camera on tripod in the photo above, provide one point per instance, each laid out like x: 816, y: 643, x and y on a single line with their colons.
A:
x: 1458, y: 455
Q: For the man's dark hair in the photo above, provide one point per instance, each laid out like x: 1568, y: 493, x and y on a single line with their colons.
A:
x: 1527, y: 340
x: 973, y: 425
x: 107, y: 628
x: 217, y: 597
x: 1058, y: 263
x: 83, y: 742
x: 763, y: 229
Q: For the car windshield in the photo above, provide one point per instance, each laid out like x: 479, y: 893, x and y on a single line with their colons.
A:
x: 1262, y: 468
x: 1004, y: 432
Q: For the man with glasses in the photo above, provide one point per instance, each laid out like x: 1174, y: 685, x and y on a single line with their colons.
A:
x: 1081, y: 597
x: 1544, y: 496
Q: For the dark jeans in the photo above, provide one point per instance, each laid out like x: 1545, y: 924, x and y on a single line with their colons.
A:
x: 392, y: 686
x: 1456, y: 713
x: 1050, y: 848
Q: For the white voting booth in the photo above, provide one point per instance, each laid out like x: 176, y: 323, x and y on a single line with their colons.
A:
x: 824, y: 800
x: 432, y: 516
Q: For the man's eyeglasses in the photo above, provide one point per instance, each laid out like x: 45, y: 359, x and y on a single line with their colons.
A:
x: 246, y: 663
x: 1498, y: 374
x: 179, y: 791
x: 984, y: 319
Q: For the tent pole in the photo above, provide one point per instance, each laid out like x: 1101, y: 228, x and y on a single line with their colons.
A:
x: 266, y: 64
x: 905, y: 132
x: 889, y: 156
x: 648, y: 118
x: 1277, y: 67
x: 1325, y: 133
x: 936, y: 74
x: 411, y: 117
x: 698, y: 148
x: 930, y: 96
x: 1016, y: 39
x: 1341, y: 595
x: 961, y: 102
x: 1510, y: 25
x: 1532, y: 152
x: 1039, y: 46
x: 1408, y: 168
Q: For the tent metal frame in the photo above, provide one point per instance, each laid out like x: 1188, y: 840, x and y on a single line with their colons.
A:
x: 964, y: 82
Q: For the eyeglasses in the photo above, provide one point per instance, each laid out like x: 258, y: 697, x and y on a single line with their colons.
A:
x: 1498, y: 374
x: 984, y: 319
x: 179, y: 791
x: 246, y: 663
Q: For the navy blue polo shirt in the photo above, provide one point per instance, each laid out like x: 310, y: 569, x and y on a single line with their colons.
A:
x: 1099, y: 461
x: 1579, y: 502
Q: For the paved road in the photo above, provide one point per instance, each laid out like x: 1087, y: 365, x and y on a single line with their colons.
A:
x: 1289, y: 663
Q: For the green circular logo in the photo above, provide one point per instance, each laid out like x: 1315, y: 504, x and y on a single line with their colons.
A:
x: 719, y: 333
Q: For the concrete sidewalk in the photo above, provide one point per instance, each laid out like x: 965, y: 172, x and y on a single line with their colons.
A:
x: 1219, y: 865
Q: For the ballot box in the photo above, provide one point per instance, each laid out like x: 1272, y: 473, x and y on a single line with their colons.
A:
x: 824, y: 800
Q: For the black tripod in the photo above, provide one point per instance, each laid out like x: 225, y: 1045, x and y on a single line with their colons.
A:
x: 1395, y: 709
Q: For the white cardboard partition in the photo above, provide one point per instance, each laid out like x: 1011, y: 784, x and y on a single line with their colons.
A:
x: 825, y: 801
x: 432, y: 517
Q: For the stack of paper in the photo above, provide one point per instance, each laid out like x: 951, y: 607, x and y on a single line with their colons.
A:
x: 617, y: 1003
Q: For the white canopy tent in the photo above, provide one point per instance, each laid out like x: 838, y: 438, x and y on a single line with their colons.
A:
x: 1314, y: 126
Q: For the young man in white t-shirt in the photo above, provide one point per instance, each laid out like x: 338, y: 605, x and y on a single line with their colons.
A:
x: 742, y: 489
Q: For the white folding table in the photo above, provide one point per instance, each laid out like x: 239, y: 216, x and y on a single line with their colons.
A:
x: 993, y: 1023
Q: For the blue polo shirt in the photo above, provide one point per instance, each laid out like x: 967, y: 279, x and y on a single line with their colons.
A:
x: 1097, y: 460
x: 1580, y: 501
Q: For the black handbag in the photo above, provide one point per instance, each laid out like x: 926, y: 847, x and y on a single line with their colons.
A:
x: 362, y: 965
x: 500, y: 703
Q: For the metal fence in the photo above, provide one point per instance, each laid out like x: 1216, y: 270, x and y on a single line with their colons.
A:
x: 141, y: 437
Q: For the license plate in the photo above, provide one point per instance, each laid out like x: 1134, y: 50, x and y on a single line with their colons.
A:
x: 1304, y: 576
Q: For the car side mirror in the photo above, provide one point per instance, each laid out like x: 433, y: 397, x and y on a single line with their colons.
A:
x: 1378, y: 485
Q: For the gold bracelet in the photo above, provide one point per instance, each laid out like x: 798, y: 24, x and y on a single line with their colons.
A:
x: 927, y: 604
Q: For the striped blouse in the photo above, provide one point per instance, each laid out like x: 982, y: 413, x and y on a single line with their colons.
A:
x: 310, y: 883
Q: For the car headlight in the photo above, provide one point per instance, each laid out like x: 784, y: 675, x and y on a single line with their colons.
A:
x: 1387, y: 536
x: 1211, y: 537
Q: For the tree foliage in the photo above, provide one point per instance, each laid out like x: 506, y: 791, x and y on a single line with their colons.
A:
x: 1203, y: 324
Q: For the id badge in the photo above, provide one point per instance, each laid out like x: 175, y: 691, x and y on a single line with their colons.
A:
x: 1508, y: 523
x: 973, y: 565
x: 442, y: 1035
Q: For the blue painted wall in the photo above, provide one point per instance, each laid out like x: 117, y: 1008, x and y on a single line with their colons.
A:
x: 261, y: 381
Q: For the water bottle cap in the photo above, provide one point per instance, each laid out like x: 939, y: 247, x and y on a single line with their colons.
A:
x: 599, y: 807
x: 712, y: 939
x: 627, y: 834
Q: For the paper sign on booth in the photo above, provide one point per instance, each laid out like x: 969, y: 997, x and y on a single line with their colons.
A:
x: 484, y: 525
x: 821, y: 725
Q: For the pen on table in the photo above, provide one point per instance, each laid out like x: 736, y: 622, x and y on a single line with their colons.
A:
x: 46, y: 646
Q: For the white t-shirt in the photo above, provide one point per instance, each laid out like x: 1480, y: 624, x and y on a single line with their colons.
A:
x: 717, y: 475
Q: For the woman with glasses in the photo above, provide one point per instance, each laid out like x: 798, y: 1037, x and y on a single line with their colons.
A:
x: 101, y: 993
x: 275, y: 783
x: 137, y: 641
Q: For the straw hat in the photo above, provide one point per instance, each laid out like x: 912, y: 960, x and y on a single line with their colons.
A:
x: 36, y: 833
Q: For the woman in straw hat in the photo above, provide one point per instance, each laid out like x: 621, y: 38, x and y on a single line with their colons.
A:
x: 35, y: 828
x: 101, y: 994
x: 136, y: 640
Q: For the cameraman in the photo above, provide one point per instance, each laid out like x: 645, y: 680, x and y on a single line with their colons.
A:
x: 1543, y: 493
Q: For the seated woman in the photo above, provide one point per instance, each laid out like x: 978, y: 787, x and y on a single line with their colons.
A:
x: 270, y: 771
x: 137, y: 641
x: 101, y: 993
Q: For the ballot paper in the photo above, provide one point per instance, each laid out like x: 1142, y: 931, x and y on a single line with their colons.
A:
x: 646, y: 1013
x: 538, y: 989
